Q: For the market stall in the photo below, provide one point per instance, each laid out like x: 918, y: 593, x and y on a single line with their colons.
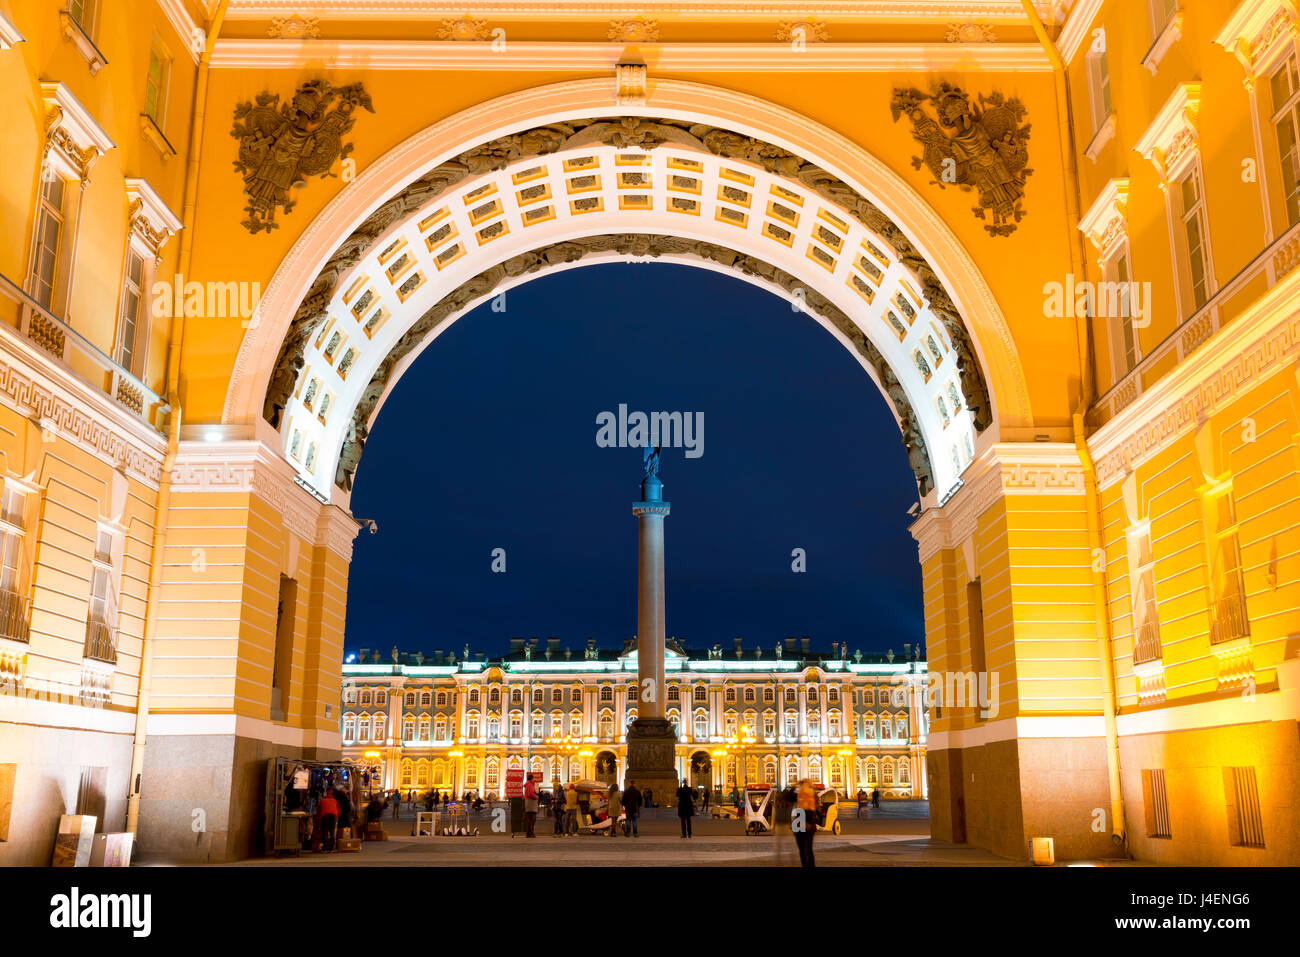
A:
x: 294, y: 791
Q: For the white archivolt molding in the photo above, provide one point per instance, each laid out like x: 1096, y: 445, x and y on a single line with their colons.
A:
x: 672, y: 99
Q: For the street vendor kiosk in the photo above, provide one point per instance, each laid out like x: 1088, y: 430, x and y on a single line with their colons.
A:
x: 294, y: 789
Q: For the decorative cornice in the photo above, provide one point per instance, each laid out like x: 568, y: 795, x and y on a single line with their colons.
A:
x: 1170, y: 141
x: 149, y: 216
x: 1262, y: 341
x: 189, y: 32
x: 9, y: 35
x: 43, y: 390
x: 247, y: 467
x: 917, y: 10
x: 294, y: 27
x: 1106, y: 221
x: 634, y: 30
x: 71, y: 129
x: 548, y: 56
x: 1254, y: 31
x: 1078, y: 26
x: 630, y: 84
x: 336, y: 530
x: 971, y: 32
x: 1037, y: 468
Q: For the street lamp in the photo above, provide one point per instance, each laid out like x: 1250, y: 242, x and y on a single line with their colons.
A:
x: 455, y: 777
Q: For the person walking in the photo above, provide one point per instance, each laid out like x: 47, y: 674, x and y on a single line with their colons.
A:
x: 615, y: 802
x: 397, y: 802
x: 783, y: 801
x: 557, y: 807
x: 570, y: 809
x: 862, y: 801
x: 804, y: 824
x: 685, y: 807
x: 704, y: 800
x: 875, y: 798
x: 632, y: 810
x: 530, y: 806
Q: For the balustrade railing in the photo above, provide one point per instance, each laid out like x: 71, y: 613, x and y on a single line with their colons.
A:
x: 15, y: 616
x: 33, y: 322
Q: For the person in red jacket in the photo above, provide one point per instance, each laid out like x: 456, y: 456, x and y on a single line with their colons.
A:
x: 329, y: 820
x: 530, y: 806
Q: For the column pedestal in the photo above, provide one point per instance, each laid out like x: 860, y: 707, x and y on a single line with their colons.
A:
x: 651, y: 747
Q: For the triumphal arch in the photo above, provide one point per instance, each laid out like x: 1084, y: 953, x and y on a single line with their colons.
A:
x: 1058, y: 235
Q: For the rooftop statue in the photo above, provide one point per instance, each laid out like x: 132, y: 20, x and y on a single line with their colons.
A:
x: 651, y: 460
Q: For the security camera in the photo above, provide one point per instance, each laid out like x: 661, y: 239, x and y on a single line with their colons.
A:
x: 369, y: 523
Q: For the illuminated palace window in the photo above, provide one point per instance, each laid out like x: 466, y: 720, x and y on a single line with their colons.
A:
x: 1228, y: 618
x: 1196, y: 252
x: 1285, y: 87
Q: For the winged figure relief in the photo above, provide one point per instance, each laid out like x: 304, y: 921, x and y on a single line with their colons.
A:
x: 282, y: 144
x: 981, y: 147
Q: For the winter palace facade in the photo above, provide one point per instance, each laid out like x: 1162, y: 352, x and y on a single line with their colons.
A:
x: 750, y: 716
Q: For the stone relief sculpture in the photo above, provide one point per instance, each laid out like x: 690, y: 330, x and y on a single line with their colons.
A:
x: 982, y: 147
x: 281, y: 144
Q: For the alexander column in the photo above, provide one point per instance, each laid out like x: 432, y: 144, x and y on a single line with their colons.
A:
x: 651, y: 741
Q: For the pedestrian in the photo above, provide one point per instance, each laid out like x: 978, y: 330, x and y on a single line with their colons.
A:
x: 685, y: 807
x: 345, y: 810
x: 631, y: 810
x: 648, y: 798
x: 783, y: 802
x: 571, y: 809
x: 735, y: 798
x: 329, y: 820
x: 397, y: 802
x: 705, y: 799
x: 862, y: 801
x: 804, y: 822
x: 557, y: 807
x: 530, y: 806
x: 875, y: 798
x: 615, y: 800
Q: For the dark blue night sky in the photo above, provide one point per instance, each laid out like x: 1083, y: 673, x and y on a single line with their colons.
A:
x: 489, y: 441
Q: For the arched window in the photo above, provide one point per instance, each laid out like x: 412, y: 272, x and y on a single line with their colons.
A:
x: 381, y: 697
x: 837, y: 773
x: 440, y: 773
x: 557, y: 769
x: 869, y: 696
x: 729, y: 723
x: 731, y: 696
x: 901, y: 726
x: 751, y: 769
x: 365, y: 697
x: 631, y: 716
x: 575, y: 722
x: 832, y: 694
x: 900, y: 697
x: 701, y: 725
x: 833, y: 724
x: 471, y: 725
x: 606, y: 694
x: 769, y: 770
x: 887, y: 772
x: 381, y: 724
x: 769, y: 724
x: 871, y: 773
x: 408, y: 700
x: 516, y: 724
x: 407, y: 770
x: 493, y: 728
x: 791, y: 724
x: 606, y: 724
x: 473, y: 695
x: 791, y: 770
x: 471, y: 774
x: 815, y: 768
x: 515, y: 761
x: 442, y: 699
x: 537, y: 767
x: 494, y: 695
x: 731, y: 771
x: 537, y: 695
x: 422, y: 773
x: 675, y: 719
x: 363, y: 728
x: 814, y: 725
x: 424, y: 727
x: 539, y: 725
x: 575, y: 769
x: 350, y: 696
x: 440, y: 727
x: 575, y: 694
x: 701, y: 693
x: 769, y: 695
x: 425, y: 699
x: 556, y: 696
x: 674, y: 693
x: 557, y: 725
x: 750, y: 696
x: 751, y: 722
x: 869, y: 726
x: 408, y: 728
x: 517, y: 696
x: 349, y: 727
x: 904, y: 771
x: 790, y: 695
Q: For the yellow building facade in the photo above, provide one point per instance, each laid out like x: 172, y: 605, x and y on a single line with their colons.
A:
x: 1059, y: 236
x: 743, y: 716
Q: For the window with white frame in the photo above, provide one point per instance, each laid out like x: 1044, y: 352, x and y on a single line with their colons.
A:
x: 1124, y: 338
x: 701, y: 725
x: 14, y: 622
x: 1228, y: 618
x: 1098, y: 68
x: 1195, y: 237
x: 101, y: 614
x: 157, y: 81
x: 85, y: 13
x: 408, y: 729
x: 1284, y: 85
x: 424, y: 727
x: 1161, y: 13
x: 1142, y: 583
x: 440, y: 728
x: 349, y: 727
x: 46, y: 282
